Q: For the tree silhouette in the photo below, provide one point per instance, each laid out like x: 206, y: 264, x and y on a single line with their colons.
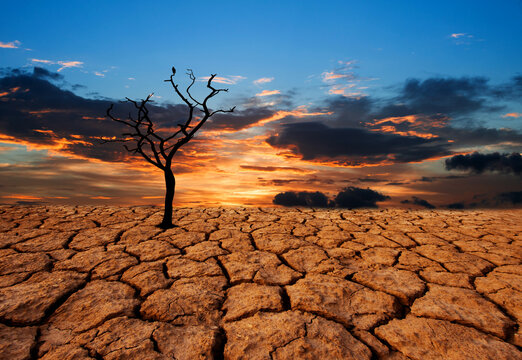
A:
x: 159, y: 150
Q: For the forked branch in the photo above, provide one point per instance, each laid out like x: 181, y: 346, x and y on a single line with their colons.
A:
x: 159, y: 149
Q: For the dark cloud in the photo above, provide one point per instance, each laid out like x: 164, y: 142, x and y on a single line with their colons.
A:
x: 456, y: 206
x: 480, y: 136
x: 303, y: 181
x: 371, y: 180
x: 278, y: 182
x: 272, y: 168
x: 304, y: 198
x: 511, y: 90
x: 513, y: 197
x: 453, y: 96
x: 426, y: 179
x: 239, y: 119
x: 517, y: 82
x: 417, y: 201
x: 350, y: 197
x: 24, y: 202
x: 354, y: 197
x: 39, y: 103
x: 313, y: 140
x: 42, y: 113
x: 479, y: 163
x: 76, y: 87
x: 352, y: 112
x: 37, y: 111
x: 487, y: 200
x: 434, y: 178
x: 46, y: 74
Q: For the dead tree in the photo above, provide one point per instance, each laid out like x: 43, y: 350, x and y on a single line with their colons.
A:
x: 160, y: 150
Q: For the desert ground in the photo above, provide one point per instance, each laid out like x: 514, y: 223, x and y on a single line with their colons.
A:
x: 259, y: 283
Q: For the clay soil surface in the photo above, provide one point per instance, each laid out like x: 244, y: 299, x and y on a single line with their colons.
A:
x: 259, y: 283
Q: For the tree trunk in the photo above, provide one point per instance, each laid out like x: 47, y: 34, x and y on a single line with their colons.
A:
x: 170, y: 186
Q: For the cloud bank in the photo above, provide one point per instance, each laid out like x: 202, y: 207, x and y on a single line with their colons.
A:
x: 479, y: 163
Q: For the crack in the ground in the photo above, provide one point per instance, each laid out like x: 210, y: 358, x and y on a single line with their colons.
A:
x: 250, y: 220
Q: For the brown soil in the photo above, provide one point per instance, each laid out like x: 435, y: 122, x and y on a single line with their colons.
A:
x: 269, y: 283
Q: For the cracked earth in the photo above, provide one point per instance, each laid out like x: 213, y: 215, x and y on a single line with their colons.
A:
x: 268, y: 283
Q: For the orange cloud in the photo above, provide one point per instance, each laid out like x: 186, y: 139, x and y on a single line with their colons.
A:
x: 101, y: 197
x: 512, y: 115
x: 414, y: 121
x: 10, y: 45
x: 332, y: 76
x: 263, y: 80
x: 63, y: 142
x: 48, y: 132
x: 299, y: 112
x: 56, y: 144
x: 393, y: 130
x: 230, y: 80
x: 268, y: 92
x: 342, y: 90
x: 64, y: 64
x: 22, y: 197
x: 11, y: 91
x: 40, y: 113
x: 93, y: 118
x: 42, y: 61
x: 69, y: 64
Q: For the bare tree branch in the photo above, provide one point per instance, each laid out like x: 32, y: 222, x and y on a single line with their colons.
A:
x: 193, y: 80
x: 159, y: 150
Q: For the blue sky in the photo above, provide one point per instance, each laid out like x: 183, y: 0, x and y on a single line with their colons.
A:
x: 288, y: 40
x: 309, y: 54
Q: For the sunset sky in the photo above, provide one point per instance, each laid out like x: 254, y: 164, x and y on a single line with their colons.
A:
x: 418, y: 101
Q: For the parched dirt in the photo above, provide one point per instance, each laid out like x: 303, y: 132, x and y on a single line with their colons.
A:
x: 268, y: 283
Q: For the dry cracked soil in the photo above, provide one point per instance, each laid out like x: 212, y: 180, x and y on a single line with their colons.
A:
x: 259, y: 283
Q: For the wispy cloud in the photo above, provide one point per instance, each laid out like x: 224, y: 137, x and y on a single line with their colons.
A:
x: 463, y: 38
x: 331, y: 75
x: 263, y: 80
x: 10, y: 45
x: 268, y: 92
x: 343, y: 80
x: 69, y: 64
x: 343, y: 71
x: 43, y: 61
x: 103, y: 72
x: 460, y: 35
x: 63, y: 64
x: 230, y: 79
x: 345, y: 91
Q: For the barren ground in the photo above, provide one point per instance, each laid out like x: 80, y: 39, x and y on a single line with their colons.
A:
x: 105, y: 283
